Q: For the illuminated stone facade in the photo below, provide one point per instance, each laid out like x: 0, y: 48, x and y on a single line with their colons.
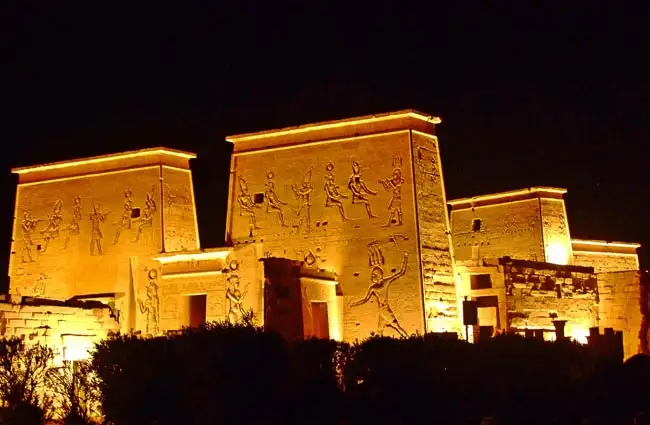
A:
x: 337, y: 229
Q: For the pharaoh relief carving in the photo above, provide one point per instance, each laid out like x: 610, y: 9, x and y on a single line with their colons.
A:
x: 234, y: 295
x: 28, y: 225
x: 334, y: 198
x: 303, y: 195
x: 73, y: 229
x: 360, y: 189
x: 97, y: 218
x: 273, y: 203
x: 378, y: 289
x: 247, y: 206
x: 54, y: 221
x: 150, y: 305
x: 126, y: 219
x: 146, y: 220
x: 394, y: 185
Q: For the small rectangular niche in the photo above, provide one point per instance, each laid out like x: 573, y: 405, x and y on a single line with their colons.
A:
x: 192, y: 311
x: 258, y: 198
x: 135, y: 212
x: 481, y: 281
x: 476, y: 225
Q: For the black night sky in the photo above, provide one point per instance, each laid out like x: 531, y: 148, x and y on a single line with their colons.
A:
x: 529, y: 94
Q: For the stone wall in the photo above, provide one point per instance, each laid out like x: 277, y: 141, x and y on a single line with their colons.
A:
x: 55, y: 254
x: 306, y: 211
x: 70, y: 331
x: 510, y: 228
x: 555, y: 228
x: 606, y: 262
x: 179, y: 212
x: 538, y: 293
x: 440, y: 301
x: 621, y: 307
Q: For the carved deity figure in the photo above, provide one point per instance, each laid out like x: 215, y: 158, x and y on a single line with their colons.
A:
x: 73, y: 229
x: 334, y: 197
x: 28, y: 225
x: 146, y: 221
x: 246, y: 204
x: 379, y: 290
x: 394, y: 184
x: 97, y: 218
x: 360, y: 189
x: 39, y: 287
x: 234, y: 295
x: 150, y: 306
x: 303, y: 194
x: 54, y: 221
x: 126, y: 219
x: 273, y: 203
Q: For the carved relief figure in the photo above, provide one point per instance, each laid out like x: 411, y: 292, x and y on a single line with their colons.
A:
x: 126, y: 219
x: 246, y: 205
x: 181, y: 202
x: 379, y: 290
x: 273, y: 203
x: 73, y: 229
x: 146, y: 221
x: 234, y: 295
x: 54, y: 221
x: 360, y: 189
x: 151, y: 305
x: 97, y: 218
x: 394, y: 184
x: 334, y: 197
x: 427, y: 162
x: 303, y: 194
x: 39, y: 287
x: 28, y: 225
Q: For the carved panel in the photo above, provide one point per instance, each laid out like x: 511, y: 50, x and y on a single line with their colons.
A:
x: 149, y: 304
x: 179, y: 218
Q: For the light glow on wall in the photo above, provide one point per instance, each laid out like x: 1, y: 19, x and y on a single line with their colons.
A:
x: 557, y: 253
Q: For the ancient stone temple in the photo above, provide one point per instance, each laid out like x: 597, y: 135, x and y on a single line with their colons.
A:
x: 334, y: 230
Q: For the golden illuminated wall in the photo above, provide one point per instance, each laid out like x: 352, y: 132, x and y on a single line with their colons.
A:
x: 71, y: 332
x: 525, y: 224
x: 77, y: 223
x: 555, y: 228
x: 230, y: 279
x: 440, y: 298
x: 620, y: 307
x: 606, y: 256
x: 342, y: 198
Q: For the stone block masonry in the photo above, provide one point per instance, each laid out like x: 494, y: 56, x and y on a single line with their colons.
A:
x: 70, y: 331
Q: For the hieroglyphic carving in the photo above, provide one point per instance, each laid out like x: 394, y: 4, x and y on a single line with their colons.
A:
x: 28, y: 225
x: 126, y: 219
x: 150, y: 306
x: 312, y: 257
x: 233, y: 293
x: 181, y: 202
x: 427, y: 163
x: 394, y: 184
x: 273, y: 203
x: 334, y: 197
x: 97, y: 218
x: 73, y: 229
x: 146, y: 221
x: 246, y: 204
x: 360, y: 189
x: 379, y: 289
x: 303, y: 194
x: 54, y: 221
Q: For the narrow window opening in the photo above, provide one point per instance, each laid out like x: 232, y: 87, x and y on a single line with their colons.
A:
x: 258, y: 198
x: 135, y: 212
x: 476, y: 225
